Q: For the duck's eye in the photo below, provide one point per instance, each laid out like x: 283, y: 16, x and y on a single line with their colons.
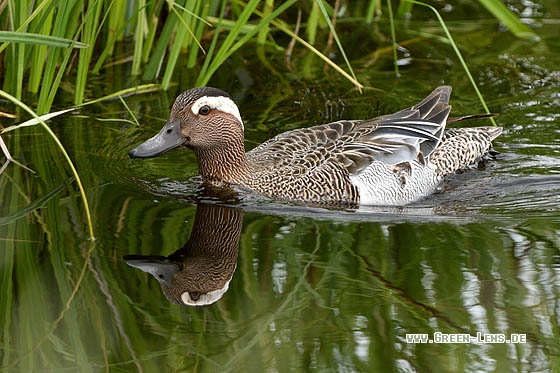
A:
x: 204, y: 110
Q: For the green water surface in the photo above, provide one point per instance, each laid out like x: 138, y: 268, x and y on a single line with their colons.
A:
x: 313, y: 289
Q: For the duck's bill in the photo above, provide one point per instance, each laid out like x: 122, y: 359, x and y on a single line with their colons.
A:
x: 158, y: 266
x: 168, y: 138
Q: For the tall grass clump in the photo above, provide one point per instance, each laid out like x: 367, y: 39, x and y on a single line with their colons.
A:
x: 45, y: 42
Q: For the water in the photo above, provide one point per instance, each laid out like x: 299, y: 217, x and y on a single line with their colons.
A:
x: 311, y: 289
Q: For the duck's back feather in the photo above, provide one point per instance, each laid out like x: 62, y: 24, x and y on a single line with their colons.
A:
x: 407, y: 135
x: 462, y: 147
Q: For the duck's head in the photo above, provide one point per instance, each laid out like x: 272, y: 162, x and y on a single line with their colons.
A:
x: 194, y: 281
x: 201, y: 119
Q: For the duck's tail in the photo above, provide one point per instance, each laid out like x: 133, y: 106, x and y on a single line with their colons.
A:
x: 462, y: 147
x: 452, y: 120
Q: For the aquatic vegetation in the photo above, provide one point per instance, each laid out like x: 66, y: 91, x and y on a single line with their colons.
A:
x: 47, y: 41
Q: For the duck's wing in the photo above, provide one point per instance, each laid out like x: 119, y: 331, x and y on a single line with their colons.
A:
x: 410, y: 134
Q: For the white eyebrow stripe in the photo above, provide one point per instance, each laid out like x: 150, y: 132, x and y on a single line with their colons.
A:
x: 221, y: 103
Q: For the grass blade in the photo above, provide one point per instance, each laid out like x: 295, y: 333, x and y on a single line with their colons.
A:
x: 153, y: 67
x: 458, y: 54
x: 89, y: 30
x: 38, y: 39
x: 393, y: 37
x: 144, y: 88
x: 510, y: 20
x: 7, y: 154
x: 36, y: 120
x: 335, y: 35
x: 141, y: 24
x: 227, y: 50
x: 285, y: 29
x: 35, y: 205
x: 228, y: 45
x: 66, y: 156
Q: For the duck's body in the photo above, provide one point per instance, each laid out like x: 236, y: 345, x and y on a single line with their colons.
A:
x: 390, y: 160
x: 327, y: 164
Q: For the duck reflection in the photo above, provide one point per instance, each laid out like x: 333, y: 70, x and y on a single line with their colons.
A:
x: 199, y: 273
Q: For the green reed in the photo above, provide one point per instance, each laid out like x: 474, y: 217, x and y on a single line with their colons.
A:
x: 47, y: 41
x: 458, y: 54
x: 41, y: 121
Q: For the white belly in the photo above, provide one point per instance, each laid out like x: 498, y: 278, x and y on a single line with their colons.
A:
x: 380, y: 185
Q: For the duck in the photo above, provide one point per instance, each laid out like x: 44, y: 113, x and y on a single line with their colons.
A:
x: 391, y: 160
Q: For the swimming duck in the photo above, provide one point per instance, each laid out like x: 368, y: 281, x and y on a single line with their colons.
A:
x: 393, y: 159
